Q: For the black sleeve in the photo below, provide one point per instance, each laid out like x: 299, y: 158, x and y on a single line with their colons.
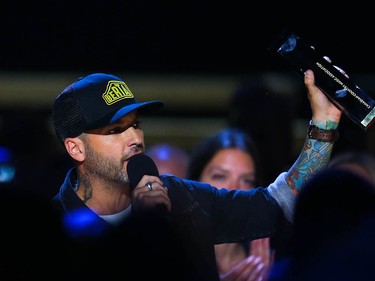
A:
x: 230, y: 215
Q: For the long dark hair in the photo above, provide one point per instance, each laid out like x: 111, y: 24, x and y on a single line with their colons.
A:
x: 230, y: 137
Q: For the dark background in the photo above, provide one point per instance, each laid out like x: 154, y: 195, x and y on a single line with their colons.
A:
x: 177, y: 36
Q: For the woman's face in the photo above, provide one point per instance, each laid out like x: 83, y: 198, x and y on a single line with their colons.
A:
x: 230, y: 168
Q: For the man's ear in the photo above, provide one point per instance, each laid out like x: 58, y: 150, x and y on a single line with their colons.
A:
x: 76, y: 148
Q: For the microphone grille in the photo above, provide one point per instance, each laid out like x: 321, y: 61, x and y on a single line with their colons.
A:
x: 138, y: 166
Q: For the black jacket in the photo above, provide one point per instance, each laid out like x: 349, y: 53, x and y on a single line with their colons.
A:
x: 201, y: 216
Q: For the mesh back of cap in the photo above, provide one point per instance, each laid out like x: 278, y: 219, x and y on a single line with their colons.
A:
x: 68, y: 118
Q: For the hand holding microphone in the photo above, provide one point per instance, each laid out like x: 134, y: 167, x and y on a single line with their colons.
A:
x: 146, y: 186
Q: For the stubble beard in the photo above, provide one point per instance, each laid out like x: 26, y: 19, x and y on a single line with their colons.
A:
x: 103, y: 167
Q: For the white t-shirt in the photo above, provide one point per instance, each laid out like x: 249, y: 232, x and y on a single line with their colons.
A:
x: 117, y: 218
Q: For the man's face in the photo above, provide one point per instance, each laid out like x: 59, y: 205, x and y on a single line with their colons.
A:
x: 108, y: 149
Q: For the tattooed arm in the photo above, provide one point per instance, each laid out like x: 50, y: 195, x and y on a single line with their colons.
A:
x: 315, y: 154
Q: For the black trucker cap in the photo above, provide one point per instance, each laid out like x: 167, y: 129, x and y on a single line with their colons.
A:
x: 95, y: 101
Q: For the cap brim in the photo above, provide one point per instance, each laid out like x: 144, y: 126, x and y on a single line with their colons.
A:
x: 143, y: 107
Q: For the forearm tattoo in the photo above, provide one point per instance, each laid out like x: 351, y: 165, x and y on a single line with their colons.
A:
x: 314, y: 156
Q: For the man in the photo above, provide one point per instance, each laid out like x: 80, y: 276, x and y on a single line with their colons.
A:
x: 97, y: 119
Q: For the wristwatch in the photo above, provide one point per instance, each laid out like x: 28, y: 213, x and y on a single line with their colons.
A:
x: 319, y: 134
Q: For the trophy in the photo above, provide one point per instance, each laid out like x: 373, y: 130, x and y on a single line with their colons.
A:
x: 337, y: 86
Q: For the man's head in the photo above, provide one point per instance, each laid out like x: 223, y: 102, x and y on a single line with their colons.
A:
x: 93, y: 102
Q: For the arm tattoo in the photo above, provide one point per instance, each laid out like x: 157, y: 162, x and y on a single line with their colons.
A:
x: 315, y: 155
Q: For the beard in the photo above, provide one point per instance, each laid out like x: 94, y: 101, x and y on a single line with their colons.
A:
x: 103, y: 167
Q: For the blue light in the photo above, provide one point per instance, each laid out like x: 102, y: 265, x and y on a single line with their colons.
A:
x: 5, y: 155
x: 82, y: 222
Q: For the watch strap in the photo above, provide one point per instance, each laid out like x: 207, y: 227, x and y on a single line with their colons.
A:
x: 319, y: 134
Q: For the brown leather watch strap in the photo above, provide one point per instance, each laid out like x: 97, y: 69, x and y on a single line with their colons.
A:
x: 319, y: 134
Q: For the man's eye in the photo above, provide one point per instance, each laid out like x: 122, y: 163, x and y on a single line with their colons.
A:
x: 117, y: 130
x: 137, y: 124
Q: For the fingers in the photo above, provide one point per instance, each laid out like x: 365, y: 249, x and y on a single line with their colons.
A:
x: 250, y: 269
x: 323, y: 110
x: 150, y: 192
x: 309, y: 80
x: 261, y: 248
x: 149, y: 179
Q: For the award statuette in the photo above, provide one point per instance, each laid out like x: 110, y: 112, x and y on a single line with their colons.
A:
x: 341, y: 90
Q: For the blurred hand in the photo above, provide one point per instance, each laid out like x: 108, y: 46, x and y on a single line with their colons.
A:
x: 256, y: 266
x: 144, y: 198
x: 250, y: 269
x: 323, y: 109
x: 262, y: 248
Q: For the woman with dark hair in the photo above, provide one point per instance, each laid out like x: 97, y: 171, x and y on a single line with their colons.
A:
x: 229, y: 160
x: 228, y: 138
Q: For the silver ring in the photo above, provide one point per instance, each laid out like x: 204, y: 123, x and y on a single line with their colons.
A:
x: 149, y: 186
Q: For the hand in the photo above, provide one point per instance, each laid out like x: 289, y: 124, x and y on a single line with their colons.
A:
x: 256, y: 266
x: 323, y: 109
x: 250, y: 269
x: 146, y: 198
x: 262, y: 248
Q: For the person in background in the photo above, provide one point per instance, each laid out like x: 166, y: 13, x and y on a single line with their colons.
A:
x: 359, y: 161
x: 98, y: 121
x: 229, y: 159
x: 226, y: 145
x: 334, y: 229
x: 169, y: 158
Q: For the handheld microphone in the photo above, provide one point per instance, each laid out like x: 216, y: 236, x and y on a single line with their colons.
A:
x: 138, y: 166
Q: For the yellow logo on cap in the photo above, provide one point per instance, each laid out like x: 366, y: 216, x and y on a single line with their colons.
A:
x: 116, y: 91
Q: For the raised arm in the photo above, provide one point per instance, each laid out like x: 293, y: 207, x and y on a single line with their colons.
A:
x: 315, y: 153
